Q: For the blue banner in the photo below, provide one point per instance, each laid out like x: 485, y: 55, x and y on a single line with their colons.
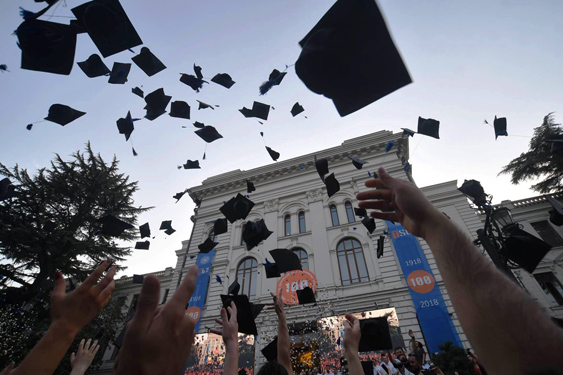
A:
x: 431, y: 310
x: 195, y: 305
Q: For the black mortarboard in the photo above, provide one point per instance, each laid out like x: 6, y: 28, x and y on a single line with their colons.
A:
x: 474, y: 190
x: 145, y: 230
x: 242, y: 371
x: 367, y: 367
x: 271, y: 270
x: 192, y: 81
x: 156, y: 103
x: 203, y: 105
x: 286, y: 260
x: 192, y: 164
x: 62, y: 114
x: 148, y: 62
x: 138, y: 91
x: 166, y: 224
x: 369, y: 223
x: 380, y: 246
x: 125, y: 126
x: 180, y: 109
x: 6, y: 189
x: 274, y: 79
x: 220, y: 226
x: 500, y: 126
x: 332, y: 185
x: 108, y: 25
x: 249, y: 186
x: 259, y: 110
x: 429, y: 127
x: 375, y: 335
x: 94, y: 67
x: 179, y: 195
x: 525, y: 249
x: 245, y: 317
x: 208, y: 134
x: 306, y: 295
x: 223, y: 79
x: 119, y: 73
x: 358, y: 163
x: 256, y: 308
x: 270, y: 351
x: 349, y: 56
x: 47, y: 46
x: 112, y: 226
x: 556, y: 215
x: 273, y: 154
x: 360, y: 212
x: 197, y: 71
x: 296, y: 109
x: 322, y: 167
x: 207, y: 245
x: 408, y: 132
x: 199, y: 125
x: 234, y: 288
x: 142, y: 245
x: 237, y: 208
x: 170, y: 231
x: 254, y: 233
x: 138, y: 279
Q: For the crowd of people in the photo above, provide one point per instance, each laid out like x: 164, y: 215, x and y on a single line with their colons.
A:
x: 506, y: 326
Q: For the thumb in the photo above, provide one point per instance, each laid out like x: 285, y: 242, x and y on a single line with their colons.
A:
x: 60, y: 285
x: 72, y: 356
x: 386, y: 178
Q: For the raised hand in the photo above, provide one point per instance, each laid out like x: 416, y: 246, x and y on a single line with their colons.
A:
x: 278, y: 304
x: 352, y: 333
x: 83, y: 357
x: 230, y: 325
x: 8, y: 369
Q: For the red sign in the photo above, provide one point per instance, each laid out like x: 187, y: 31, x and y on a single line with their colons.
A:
x: 421, y: 281
x: 293, y: 281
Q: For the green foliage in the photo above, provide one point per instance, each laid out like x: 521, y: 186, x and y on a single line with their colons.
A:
x: 452, y: 358
x: 539, y: 162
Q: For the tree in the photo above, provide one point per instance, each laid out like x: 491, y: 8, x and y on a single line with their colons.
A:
x: 453, y: 359
x: 539, y: 161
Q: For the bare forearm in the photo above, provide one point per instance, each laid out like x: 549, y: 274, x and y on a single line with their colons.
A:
x: 501, y: 321
x: 354, y: 364
x: 284, y: 357
x: 231, y: 359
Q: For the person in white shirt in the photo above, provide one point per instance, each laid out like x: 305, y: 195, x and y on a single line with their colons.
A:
x: 387, y: 365
x: 378, y: 370
x: 402, y: 370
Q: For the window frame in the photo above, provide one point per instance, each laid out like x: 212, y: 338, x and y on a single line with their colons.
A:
x: 555, y: 290
x: 346, y: 255
x: 301, y: 222
x: 350, y: 212
x: 548, y: 234
x: 287, y: 225
x: 298, y: 251
x: 334, y: 215
x: 251, y: 270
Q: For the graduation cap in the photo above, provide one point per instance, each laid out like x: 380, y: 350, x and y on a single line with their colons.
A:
x: 112, y: 226
x: 408, y: 132
x: 525, y: 249
x: 234, y: 288
x: 192, y: 81
x: 256, y: 309
x: 223, y: 79
x: 197, y: 71
x: 179, y: 195
x: 306, y: 295
x: 148, y: 62
x: 500, y: 126
x: 94, y: 66
x: 245, y: 318
x: 297, y: 109
x: 375, y: 335
x: 322, y: 167
x: 207, y: 245
x: 166, y: 225
x: 349, y: 56
x: 199, y: 125
x: 249, y: 186
x: 242, y: 371
x: 125, y: 126
x: 108, y: 25
x: 7, y: 190
x: 367, y: 367
x: 474, y: 190
x: 220, y: 226
x: 138, y: 279
x: 47, y: 46
x: 156, y: 103
x: 380, y: 246
x: 369, y: 223
x: 271, y: 270
x: 203, y: 105
x: 286, y: 260
x: 119, y: 73
x: 62, y: 114
x: 237, y: 208
x: 273, y: 154
x: 208, y: 134
x: 360, y: 212
x: 358, y: 163
x: 389, y: 146
x: 259, y: 110
x: 555, y: 215
x: 429, y: 127
x: 180, y: 109
x: 270, y: 351
x: 138, y: 91
x: 274, y: 79
x: 145, y: 230
x: 142, y: 245
x: 332, y: 185
x: 254, y: 233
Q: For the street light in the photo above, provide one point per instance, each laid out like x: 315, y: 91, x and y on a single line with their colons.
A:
x: 503, y: 216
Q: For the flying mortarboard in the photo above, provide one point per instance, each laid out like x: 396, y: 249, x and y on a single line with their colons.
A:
x: 270, y: 351
x: 380, y: 246
x: 108, y: 25
x: 245, y: 318
x: 138, y: 279
x: 145, y: 230
x: 375, y: 335
x: 358, y: 163
x: 286, y: 260
x: 525, y: 249
x: 254, y: 233
x: 408, y: 132
x: 220, y: 226
x: 360, y: 212
x: 242, y: 371
x: 474, y: 190
x: 223, y: 79
x: 112, y: 226
x: 142, y: 245
x: 166, y: 225
x: 429, y: 127
x: 555, y: 215
x: 234, y: 288
x: 249, y: 186
x: 389, y: 146
x: 500, y: 126
x: 94, y: 67
x: 271, y: 270
x: 192, y: 81
x: 6, y: 189
x: 62, y: 114
x: 156, y: 103
x: 332, y: 185
x: 297, y: 109
x: 199, y: 125
x: 274, y: 79
x: 369, y: 223
x: 137, y: 91
x: 119, y: 73
x: 237, y: 208
x: 148, y: 62
x: 273, y: 154
x: 125, y: 126
x: 367, y: 367
x: 349, y: 56
x: 180, y: 109
x: 256, y: 309
x: 208, y: 134
x: 322, y: 167
x: 306, y: 295
x: 203, y: 105
x: 207, y: 245
x: 259, y: 110
x: 192, y: 164
x: 197, y: 71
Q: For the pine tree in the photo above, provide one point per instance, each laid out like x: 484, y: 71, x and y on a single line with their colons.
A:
x: 452, y: 359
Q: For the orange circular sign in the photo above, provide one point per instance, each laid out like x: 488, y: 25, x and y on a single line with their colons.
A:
x: 293, y: 281
x: 194, y: 312
x: 421, y: 281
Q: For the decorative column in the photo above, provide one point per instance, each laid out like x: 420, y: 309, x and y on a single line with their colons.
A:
x: 319, y: 237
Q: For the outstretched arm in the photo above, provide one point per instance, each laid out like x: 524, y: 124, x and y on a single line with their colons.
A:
x: 284, y: 357
x: 352, y: 335
x: 81, y: 360
x: 503, y: 323
x: 230, y: 338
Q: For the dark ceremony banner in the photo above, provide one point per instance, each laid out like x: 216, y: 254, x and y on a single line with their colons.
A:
x: 432, y: 312
x: 195, y: 305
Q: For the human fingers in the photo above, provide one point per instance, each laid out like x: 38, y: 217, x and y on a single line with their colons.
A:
x: 93, y: 346
x: 59, y: 290
x: 72, y: 357
x: 96, y: 350
x: 351, y: 318
x: 224, y: 315
x: 374, y: 183
x: 184, y: 291
x: 81, y: 346
x: 94, y: 276
x: 389, y: 216
x: 219, y: 321
x: 106, y: 293
x: 147, y: 304
x: 387, y: 180
x: 347, y: 324
x: 375, y: 194
x: 86, y: 347
x: 216, y: 331
x: 106, y: 280
x: 233, y: 312
x: 376, y: 205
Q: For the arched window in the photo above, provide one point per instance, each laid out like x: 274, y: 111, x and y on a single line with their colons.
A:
x: 303, y: 258
x: 212, y: 235
x: 350, y: 212
x: 287, y: 225
x: 242, y: 235
x: 351, y: 262
x: 302, y: 228
x: 247, y: 275
x: 334, y: 215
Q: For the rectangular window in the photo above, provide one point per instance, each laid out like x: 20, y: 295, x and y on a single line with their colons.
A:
x: 350, y: 212
x: 551, y: 287
x: 547, y: 233
x: 287, y: 225
x: 334, y: 216
x: 302, y: 222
